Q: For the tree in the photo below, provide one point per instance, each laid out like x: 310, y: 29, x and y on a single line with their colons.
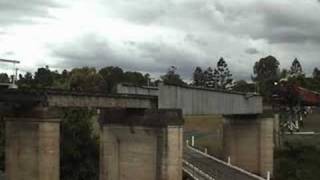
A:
x: 243, y: 86
x: 222, y: 75
x: 85, y: 79
x: 172, y: 78
x: 198, y: 77
x: 284, y: 74
x: 316, y: 74
x: 79, y: 146
x: 4, y: 78
x: 296, y: 69
x: 209, y: 78
x: 26, y: 80
x: 43, y: 77
x: 136, y: 78
x: 110, y: 77
x: 266, y: 71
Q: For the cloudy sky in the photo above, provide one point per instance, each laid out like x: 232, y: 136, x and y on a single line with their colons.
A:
x: 151, y: 35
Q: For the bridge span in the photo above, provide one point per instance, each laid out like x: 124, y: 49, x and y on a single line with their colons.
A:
x: 141, y: 134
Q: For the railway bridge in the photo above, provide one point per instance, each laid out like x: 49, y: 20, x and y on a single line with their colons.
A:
x: 141, y: 133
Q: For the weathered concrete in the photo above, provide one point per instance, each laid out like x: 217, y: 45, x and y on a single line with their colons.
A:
x: 141, y: 145
x: 141, y: 90
x: 199, y: 101
x: 32, y: 145
x: 249, y: 142
x: 58, y: 98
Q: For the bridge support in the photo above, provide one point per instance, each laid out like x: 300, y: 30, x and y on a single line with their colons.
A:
x: 32, y: 145
x: 141, y: 145
x: 249, y: 142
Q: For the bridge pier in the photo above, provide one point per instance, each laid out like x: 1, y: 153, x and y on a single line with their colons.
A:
x: 249, y: 142
x: 32, y: 144
x: 141, y: 144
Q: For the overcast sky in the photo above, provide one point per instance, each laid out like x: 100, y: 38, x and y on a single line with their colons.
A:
x: 151, y: 35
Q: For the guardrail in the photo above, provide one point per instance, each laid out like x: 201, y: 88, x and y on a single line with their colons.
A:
x: 192, y: 170
x: 224, y: 170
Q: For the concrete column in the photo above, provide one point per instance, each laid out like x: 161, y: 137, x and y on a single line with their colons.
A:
x: 141, y: 145
x: 248, y: 140
x: 32, y: 145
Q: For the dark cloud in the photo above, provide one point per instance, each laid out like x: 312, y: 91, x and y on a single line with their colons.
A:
x: 155, y: 57
x: 251, y: 51
x: 21, y: 11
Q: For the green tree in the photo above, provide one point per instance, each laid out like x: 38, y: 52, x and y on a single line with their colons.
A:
x: 198, y: 77
x: 79, y: 146
x: 26, y: 80
x: 43, y: 77
x: 111, y: 76
x: 4, y: 78
x: 136, y: 78
x: 243, y: 86
x: 316, y: 74
x: 296, y: 69
x: 172, y: 78
x: 222, y: 75
x: 209, y: 78
x: 85, y: 79
x: 266, y: 72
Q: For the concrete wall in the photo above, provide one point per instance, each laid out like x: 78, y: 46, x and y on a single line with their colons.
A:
x: 141, y: 153
x: 141, y: 144
x: 249, y: 142
x: 32, y: 150
x: 141, y: 90
x: 197, y: 101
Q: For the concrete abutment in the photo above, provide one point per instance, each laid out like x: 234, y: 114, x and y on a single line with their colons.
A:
x: 32, y: 145
x: 141, y: 144
x: 249, y: 142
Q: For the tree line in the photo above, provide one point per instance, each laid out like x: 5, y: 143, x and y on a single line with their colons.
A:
x: 80, y: 142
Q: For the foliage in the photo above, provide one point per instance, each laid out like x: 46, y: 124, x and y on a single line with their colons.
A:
x: 243, y: 86
x: 297, y: 161
x: 222, y: 75
x: 79, y: 146
x: 296, y: 69
x: 316, y: 74
x: 85, y: 79
x: 4, y: 78
x: 219, y: 78
x: 171, y: 77
x: 266, y: 72
x: 198, y: 77
x: 43, y: 77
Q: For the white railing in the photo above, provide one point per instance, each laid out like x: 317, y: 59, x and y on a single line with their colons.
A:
x: 229, y: 165
x: 197, y: 170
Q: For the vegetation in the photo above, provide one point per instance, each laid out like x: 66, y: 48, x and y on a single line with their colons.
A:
x: 219, y: 78
x: 80, y: 143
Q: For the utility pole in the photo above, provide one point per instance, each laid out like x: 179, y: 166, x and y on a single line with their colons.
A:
x: 12, y: 85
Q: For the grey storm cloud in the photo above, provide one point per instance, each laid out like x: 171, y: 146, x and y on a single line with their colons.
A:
x: 21, y: 11
x: 251, y: 51
x: 193, y: 33
x: 152, y: 57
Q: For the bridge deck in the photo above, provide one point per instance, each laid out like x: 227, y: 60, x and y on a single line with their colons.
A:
x: 205, y: 167
x: 61, y: 98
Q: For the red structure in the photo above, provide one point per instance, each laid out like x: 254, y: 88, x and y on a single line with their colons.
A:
x: 294, y: 95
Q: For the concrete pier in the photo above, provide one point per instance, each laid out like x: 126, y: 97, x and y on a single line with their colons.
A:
x: 141, y: 145
x: 32, y: 145
x: 249, y: 142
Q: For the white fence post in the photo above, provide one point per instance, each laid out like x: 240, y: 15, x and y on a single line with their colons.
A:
x: 268, y: 175
x: 192, y: 141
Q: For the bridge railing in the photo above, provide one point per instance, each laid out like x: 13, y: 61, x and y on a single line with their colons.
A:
x: 220, y: 170
x: 194, y: 172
